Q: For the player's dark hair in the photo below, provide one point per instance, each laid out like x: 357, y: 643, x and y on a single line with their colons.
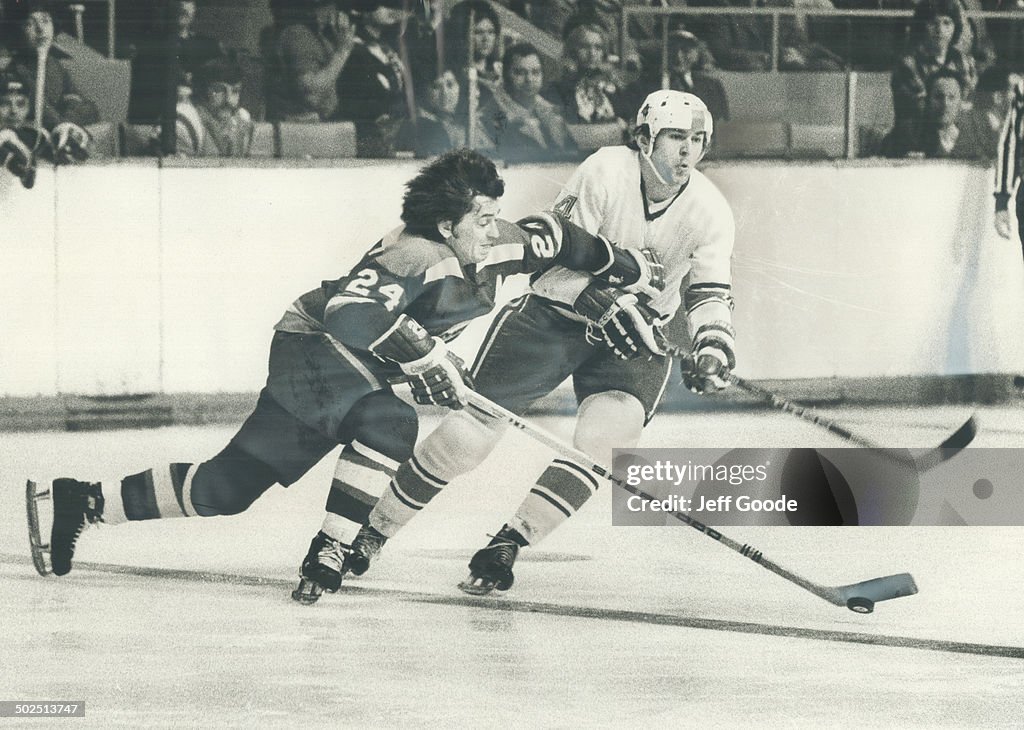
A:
x: 444, y: 190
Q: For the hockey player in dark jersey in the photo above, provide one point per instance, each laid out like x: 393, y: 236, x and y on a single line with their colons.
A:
x: 337, y: 347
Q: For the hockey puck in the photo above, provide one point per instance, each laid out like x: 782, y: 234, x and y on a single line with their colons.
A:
x: 858, y: 604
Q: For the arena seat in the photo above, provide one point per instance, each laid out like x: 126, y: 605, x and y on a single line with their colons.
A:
x: 137, y: 140
x: 592, y: 136
x: 740, y: 138
x: 817, y: 140
x: 802, y: 97
x: 873, y: 103
x: 105, y: 82
x: 105, y: 139
x: 263, y: 144
x: 317, y: 141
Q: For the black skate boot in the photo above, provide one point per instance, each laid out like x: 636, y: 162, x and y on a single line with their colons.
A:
x: 365, y: 547
x: 491, y: 568
x: 75, y: 505
x: 322, y: 569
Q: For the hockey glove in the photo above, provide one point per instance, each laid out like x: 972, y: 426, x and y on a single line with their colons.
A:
x: 436, y: 376
x: 713, y: 356
x: 619, y: 320
x: 635, y: 271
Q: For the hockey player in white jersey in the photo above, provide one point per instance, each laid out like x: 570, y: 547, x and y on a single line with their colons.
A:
x: 646, y: 195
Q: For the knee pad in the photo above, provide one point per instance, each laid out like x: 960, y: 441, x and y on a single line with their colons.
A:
x: 458, y: 445
x: 609, y: 420
x: 383, y: 422
x: 229, y: 482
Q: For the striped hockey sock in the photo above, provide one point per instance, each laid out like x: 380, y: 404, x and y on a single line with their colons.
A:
x: 157, y: 493
x: 557, y: 495
x: 409, y: 492
x: 349, y: 505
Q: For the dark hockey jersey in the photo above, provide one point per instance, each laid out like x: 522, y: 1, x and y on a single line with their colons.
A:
x: 423, y: 279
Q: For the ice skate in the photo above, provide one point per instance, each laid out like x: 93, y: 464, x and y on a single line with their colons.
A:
x: 367, y: 544
x: 491, y: 568
x: 75, y: 505
x: 322, y: 569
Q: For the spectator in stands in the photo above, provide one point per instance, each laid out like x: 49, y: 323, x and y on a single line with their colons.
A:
x: 868, y: 43
x: 486, y: 51
x: 5, y: 51
x: 797, y: 52
x: 936, y: 132
x: 311, y: 48
x: 687, y: 56
x: 739, y: 42
x: 981, y: 125
x: 61, y: 101
x: 439, y: 126
x: 374, y: 86
x: 22, y: 143
x: 527, y: 126
x: 935, y: 31
x: 975, y: 40
x: 589, y: 90
x: 183, y: 47
x: 213, y: 124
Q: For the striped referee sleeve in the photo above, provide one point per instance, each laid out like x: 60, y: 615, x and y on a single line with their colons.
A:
x: 1008, y: 154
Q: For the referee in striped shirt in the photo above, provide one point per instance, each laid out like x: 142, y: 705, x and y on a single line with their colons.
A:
x: 1008, y: 165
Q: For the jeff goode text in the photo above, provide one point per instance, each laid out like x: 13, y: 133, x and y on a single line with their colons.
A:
x: 724, y: 503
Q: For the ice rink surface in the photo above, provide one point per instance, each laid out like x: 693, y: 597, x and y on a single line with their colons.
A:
x: 188, y: 623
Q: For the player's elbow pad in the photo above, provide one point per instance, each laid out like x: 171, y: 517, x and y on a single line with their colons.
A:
x: 404, y: 342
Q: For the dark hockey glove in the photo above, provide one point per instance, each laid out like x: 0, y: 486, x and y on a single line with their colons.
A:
x: 437, y: 377
x: 635, y: 271
x: 619, y: 320
x: 713, y: 356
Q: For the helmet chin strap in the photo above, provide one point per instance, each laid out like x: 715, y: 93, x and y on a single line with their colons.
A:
x: 645, y: 152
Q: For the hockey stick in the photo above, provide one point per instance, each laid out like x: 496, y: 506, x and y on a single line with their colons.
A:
x: 950, y: 447
x: 858, y: 597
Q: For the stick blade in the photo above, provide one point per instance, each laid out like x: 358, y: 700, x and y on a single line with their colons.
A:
x: 954, y: 444
x: 879, y: 589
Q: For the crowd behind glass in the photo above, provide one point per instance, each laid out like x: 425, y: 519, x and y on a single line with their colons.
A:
x: 403, y: 78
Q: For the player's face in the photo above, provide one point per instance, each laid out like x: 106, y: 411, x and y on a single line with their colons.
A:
x: 676, y: 153
x: 13, y: 110
x: 472, y: 237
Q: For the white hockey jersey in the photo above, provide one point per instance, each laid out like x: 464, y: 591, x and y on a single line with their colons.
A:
x: 693, y: 233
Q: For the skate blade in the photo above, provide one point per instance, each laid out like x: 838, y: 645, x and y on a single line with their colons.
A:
x: 308, y: 592
x: 476, y: 586
x: 40, y: 549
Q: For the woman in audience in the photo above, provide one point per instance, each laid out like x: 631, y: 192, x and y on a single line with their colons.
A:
x: 474, y: 23
x: 935, y: 31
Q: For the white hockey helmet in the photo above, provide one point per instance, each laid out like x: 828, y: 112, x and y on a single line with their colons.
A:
x: 668, y: 109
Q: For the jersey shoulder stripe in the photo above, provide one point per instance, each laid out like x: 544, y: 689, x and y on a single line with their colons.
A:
x: 409, y: 256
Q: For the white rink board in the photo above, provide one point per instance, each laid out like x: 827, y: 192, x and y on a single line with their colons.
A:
x: 170, y: 278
